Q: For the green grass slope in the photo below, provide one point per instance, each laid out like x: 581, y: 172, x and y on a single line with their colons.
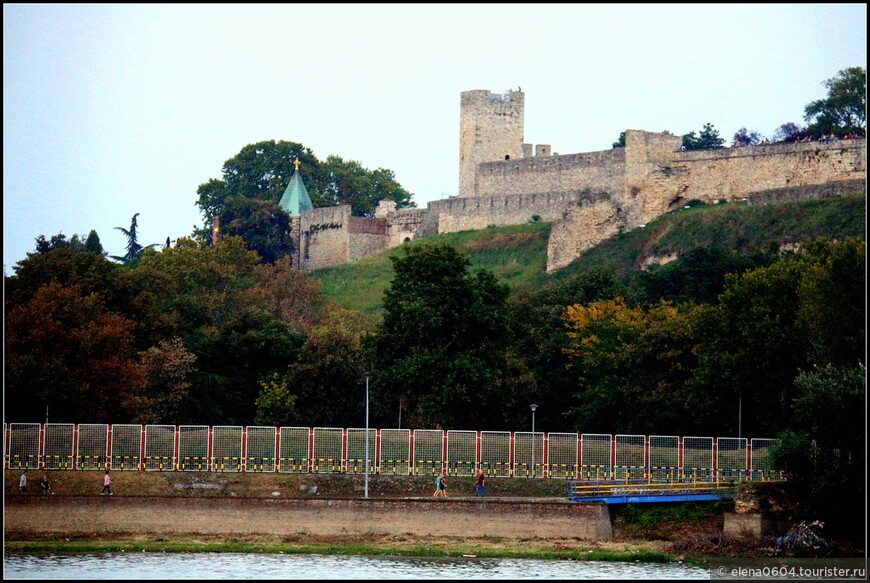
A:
x: 518, y: 254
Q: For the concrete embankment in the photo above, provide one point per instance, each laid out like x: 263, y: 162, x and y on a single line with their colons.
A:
x: 111, y: 515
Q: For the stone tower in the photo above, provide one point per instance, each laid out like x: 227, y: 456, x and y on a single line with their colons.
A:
x: 294, y: 202
x: 490, y: 129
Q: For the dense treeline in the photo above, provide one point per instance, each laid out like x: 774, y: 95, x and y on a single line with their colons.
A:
x: 714, y: 343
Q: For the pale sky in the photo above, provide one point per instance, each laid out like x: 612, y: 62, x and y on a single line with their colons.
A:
x: 111, y: 110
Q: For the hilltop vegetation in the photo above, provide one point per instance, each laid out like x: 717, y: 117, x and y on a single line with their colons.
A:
x: 517, y: 255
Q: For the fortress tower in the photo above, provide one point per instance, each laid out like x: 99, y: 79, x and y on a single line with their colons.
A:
x: 490, y: 129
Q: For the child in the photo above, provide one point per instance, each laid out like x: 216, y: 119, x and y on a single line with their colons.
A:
x: 46, y: 485
x: 440, y: 487
x: 107, y: 484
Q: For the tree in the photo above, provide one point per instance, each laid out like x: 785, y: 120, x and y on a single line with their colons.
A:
x: 166, y: 368
x: 620, y: 143
x: 441, y: 350
x: 69, y: 358
x: 843, y: 111
x: 824, y: 450
x: 134, y: 249
x: 789, y: 132
x: 254, y: 180
x: 745, y: 137
x: 708, y: 139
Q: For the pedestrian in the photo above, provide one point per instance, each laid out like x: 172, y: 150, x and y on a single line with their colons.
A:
x: 22, y: 483
x: 479, y: 489
x: 440, y: 487
x: 46, y: 485
x: 107, y: 485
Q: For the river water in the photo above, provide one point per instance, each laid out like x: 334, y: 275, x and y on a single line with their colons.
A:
x: 279, y: 566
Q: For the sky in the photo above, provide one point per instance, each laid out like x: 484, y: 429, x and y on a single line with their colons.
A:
x: 112, y: 110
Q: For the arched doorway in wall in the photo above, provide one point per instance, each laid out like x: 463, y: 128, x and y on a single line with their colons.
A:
x: 407, y: 240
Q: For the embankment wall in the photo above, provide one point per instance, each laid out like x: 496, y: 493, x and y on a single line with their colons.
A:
x: 33, y: 515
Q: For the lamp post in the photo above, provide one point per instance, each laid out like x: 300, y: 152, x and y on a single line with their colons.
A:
x: 533, y: 407
x: 367, y: 375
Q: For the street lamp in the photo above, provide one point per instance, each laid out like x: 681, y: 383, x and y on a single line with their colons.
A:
x: 367, y: 375
x: 533, y: 407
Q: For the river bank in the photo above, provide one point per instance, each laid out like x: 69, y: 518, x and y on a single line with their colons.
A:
x: 196, y: 507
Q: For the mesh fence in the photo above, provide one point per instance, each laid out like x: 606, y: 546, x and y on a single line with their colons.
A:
x: 193, y: 448
x: 93, y: 447
x: 562, y: 455
x: 731, y: 458
x: 356, y: 451
x: 293, y: 454
x: 629, y: 457
x: 226, y: 449
x: 395, y: 454
x: 59, y: 443
x: 698, y: 458
x: 58, y: 446
x: 23, y: 445
x: 495, y: 453
x: 160, y: 447
x: 326, y: 454
x: 664, y: 457
x: 595, y: 456
x: 762, y: 467
x: 461, y: 453
x: 528, y: 454
x: 260, y: 449
x: 126, y: 447
x: 428, y: 452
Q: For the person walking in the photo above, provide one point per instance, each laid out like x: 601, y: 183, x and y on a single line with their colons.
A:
x: 479, y: 489
x: 440, y: 487
x: 46, y: 485
x: 22, y: 483
x: 107, y: 485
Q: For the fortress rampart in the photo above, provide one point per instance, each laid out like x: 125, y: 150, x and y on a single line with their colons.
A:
x: 588, y: 197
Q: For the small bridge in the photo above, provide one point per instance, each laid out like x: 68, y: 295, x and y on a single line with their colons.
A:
x: 628, y: 492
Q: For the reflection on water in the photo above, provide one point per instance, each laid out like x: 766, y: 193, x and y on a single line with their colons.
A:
x: 278, y: 566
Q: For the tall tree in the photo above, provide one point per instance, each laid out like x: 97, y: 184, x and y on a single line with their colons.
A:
x: 708, y: 139
x: 442, y: 347
x: 68, y: 355
x: 254, y: 180
x: 844, y: 110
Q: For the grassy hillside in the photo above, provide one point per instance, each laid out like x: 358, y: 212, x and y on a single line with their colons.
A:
x: 518, y: 254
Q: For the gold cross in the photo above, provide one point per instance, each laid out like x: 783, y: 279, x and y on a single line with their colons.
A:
x: 296, y: 161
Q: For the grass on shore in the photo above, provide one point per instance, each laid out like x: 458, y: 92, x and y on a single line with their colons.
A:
x: 378, y: 545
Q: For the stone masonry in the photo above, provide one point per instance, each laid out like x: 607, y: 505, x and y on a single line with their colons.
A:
x: 588, y: 197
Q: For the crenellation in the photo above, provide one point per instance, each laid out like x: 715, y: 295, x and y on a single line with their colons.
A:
x: 587, y: 196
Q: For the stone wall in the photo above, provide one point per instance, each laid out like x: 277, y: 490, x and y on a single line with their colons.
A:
x: 324, y: 237
x: 84, y: 515
x: 602, y: 170
x: 464, y: 214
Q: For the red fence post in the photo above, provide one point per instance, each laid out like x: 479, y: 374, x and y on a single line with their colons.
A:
x: 277, y: 453
x: 108, y: 447
x: 142, y: 440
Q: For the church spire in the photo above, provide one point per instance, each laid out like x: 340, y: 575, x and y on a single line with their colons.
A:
x: 295, y: 199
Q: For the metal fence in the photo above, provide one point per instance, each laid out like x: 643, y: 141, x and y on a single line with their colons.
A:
x: 589, y: 456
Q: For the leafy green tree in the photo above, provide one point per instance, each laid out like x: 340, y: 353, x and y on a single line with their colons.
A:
x: 442, y: 347
x: 789, y: 132
x: 620, y: 143
x: 322, y: 388
x: 200, y: 294
x: 824, y: 450
x: 745, y: 137
x: 629, y: 362
x: 539, y: 336
x: 707, y: 139
x: 697, y: 276
x: 255, y: 178
x: 844, y: 110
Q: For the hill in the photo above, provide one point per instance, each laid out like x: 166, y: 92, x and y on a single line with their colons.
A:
x: 518, y: 254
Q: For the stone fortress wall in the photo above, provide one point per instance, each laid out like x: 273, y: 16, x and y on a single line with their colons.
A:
x: 588, y: 197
